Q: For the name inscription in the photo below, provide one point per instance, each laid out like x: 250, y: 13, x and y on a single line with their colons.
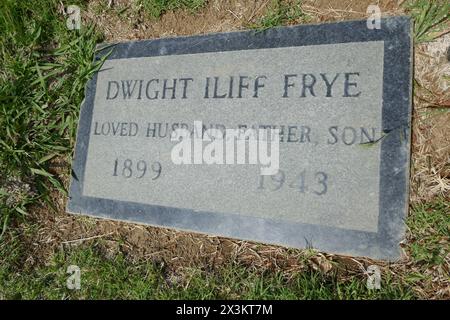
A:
x: 240, y: 87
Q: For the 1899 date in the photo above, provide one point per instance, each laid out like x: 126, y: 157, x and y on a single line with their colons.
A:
x: 129, y: 168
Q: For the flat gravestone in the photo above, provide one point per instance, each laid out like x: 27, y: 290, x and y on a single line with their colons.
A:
x: 339, y: 94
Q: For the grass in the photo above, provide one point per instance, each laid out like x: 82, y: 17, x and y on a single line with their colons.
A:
x: 430, y: 229
x: 430, y: 18
x: 429, y: 247
x: 118, y: 278
x: 281, y: 12
x: 155, y: 8
x: 44, y: 69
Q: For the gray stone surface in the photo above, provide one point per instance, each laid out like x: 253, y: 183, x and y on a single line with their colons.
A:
x: 344, y: 187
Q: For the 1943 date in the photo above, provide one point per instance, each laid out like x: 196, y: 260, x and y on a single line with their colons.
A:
x: 314, y: 182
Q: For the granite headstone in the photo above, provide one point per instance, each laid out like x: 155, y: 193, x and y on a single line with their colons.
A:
x: 339, y: 94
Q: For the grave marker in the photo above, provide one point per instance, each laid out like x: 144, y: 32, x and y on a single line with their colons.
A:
x: 339, y: 94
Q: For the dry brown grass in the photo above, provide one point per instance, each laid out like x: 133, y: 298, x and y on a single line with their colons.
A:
x: 339, y: 10
x: 430, y: 174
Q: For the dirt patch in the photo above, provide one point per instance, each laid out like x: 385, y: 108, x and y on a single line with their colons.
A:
x: 133, y: 23
x: 124, y: 20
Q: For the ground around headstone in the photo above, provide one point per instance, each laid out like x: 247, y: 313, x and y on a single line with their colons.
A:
x: 47, y: 232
